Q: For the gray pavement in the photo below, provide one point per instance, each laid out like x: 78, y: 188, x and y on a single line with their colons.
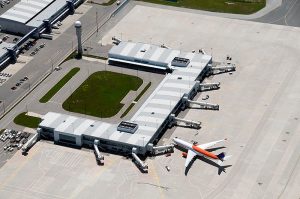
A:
x: 259, y: 114
x: 86, y: 69
x: 286, y: 14
x: 31, y: 102
x: 281, y: 12
x: 54, y: 52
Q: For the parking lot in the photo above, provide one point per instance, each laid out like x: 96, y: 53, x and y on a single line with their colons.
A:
x: 6, y: 5
x: 32, y: 47
x: 10, y: 142
x: 27, y: 52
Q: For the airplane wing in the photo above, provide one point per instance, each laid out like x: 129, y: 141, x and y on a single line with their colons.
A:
x: 210, y: 144
x: 190, y: 155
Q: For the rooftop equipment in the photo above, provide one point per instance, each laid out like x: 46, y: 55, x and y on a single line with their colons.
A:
x: 127, y: 127
x: 180, y: 62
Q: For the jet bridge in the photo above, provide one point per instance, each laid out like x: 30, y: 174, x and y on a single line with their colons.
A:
x: 203, y: 105
x: 189, y: 123
x: 223, y: 68
x: 99, y: 157
x: 143, y: 166
x: 157, y: 150
x: 209, y: 86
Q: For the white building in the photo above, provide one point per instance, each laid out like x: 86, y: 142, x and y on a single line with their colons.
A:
x: 152, y: 117
x: 29, y: 14
x: 152, y: 56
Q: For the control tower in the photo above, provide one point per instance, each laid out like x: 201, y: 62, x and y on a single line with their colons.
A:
x: 78, y: 33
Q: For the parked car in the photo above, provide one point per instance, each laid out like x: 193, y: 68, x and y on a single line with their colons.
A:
x: 20, y: 146
x: 15, y: 40
x: 24, y: 141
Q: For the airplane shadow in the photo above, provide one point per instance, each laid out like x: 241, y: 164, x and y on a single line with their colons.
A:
x: 215, y: 149
x: 187, y: 127
x: 200, y: 108
x: 208, y: 161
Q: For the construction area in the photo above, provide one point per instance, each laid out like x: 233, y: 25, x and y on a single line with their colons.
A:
x: 254, y: 107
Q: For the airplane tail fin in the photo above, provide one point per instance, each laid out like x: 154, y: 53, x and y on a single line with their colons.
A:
x: 222, y: 157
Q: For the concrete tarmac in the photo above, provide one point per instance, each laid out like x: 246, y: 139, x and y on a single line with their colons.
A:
x: 259, y: 114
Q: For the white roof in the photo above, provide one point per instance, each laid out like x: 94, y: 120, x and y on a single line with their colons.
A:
x: 152, y: 56
x: 155, y: 109
x: 25, y: 10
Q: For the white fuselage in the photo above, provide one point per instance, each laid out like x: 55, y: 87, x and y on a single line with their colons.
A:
x: 183, y: 144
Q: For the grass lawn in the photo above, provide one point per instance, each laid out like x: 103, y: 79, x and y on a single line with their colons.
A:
x: 226, y: 6
x: 100, y: 95
x: 136, y: 99
x: 27, y: 121
x: 59, y: 85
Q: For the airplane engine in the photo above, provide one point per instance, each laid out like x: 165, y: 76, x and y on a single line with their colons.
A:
x: 184, y: 154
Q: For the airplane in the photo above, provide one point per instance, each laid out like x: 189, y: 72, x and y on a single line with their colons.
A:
x: 200, y: 150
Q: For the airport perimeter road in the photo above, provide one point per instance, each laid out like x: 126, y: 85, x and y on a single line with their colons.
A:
x: 54, y: 52
x: 287, y: 14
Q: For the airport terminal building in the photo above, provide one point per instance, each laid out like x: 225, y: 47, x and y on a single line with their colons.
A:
x: 32, y: 18
x: 27, y: 15
x: 150, y: 121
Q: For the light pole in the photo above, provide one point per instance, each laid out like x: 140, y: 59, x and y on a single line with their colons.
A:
x: 97, y: 22
x: 3, y: 106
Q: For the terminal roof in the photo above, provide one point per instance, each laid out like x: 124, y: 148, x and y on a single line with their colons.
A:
x: 155, y: 110
x: 25, y: 10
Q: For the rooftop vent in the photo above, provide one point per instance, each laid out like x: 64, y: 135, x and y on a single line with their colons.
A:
x: 180, y: 62
x: 127, y: 127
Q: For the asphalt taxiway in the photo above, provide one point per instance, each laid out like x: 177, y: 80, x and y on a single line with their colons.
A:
x: 288, y: 13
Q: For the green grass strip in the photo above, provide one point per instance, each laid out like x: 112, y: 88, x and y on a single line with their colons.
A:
x: 127, y: 110
x: 1, y: 131
x: 224, y: 6
x: 143, y: 91
x: 136, y: 99
x: 100, y: 95
x: 27, y: 121
x: 59, y: 85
